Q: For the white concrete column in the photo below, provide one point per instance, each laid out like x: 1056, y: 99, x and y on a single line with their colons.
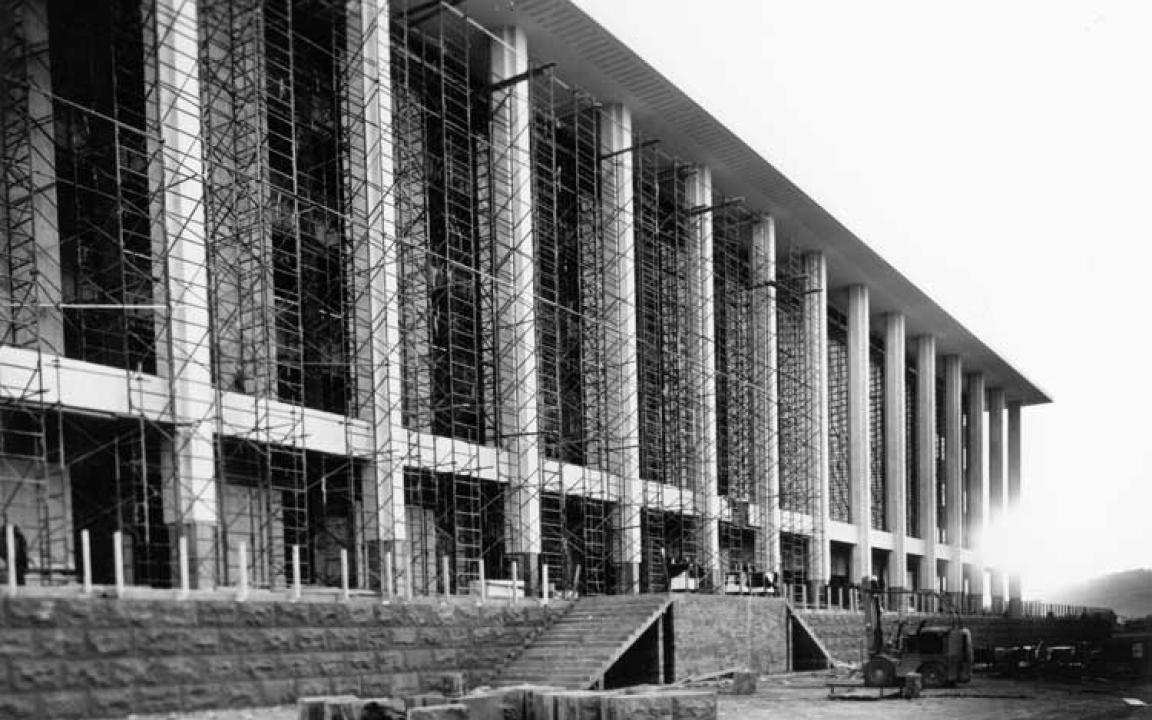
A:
x: 190, y: 480
x: 623, y: 408
x: 974, y: 521
x: 766, y: 447
x: 389, y: 457
x: 895, y: 447
x: 996, y: 483
x: 1015, y: 593
x: 859, y: 442
x: 926, y: 454
x: 702, y: 344
x: 42, y: 158
x: 954, y: 466
x: 514, y: 269
x: 816, y: 345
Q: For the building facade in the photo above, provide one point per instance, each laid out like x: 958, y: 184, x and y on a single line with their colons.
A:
x: 443, y: 293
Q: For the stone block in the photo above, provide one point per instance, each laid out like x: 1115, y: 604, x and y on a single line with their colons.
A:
x: 18, y: 706
x: 343, y: 638
x: 485, y: 706
x: 112, y: 702
x: 439, y: 712
x: 403, y: 636
x: 67, y: 642
x: 256, y: 614
x: 524, y: 702
x: 309, y: 686
x: 20, y: 612
x: 67, y: 704
x: 277, y: 692
x: 110, y: 642
x: 744, y: 683
x: 388, y: 660
x: 424, y: 699
x: 346, y: 685
x: 694, y: 705
x: 91, y: 673
x: 315, y: 707
x: 643, y: 706
x: 216, y: 613
x: 361, y: 614
x: 17, y: 643
x: 258, y: 667
x: 384, y: 708
x: 241, y: 640
x: 294, y: 615
x: 330, y: 615
x: 580, y: 705
x: 156, y: 699
x: 450, y: 684
x: 310, y: 639
x: 37, y: 675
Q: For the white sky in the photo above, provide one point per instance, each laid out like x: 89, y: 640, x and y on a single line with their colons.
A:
x: 1000, y: 155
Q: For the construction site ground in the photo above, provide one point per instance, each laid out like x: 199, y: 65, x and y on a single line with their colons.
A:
x: 805, y: 697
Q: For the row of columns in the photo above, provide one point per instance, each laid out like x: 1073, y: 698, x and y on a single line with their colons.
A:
x: 193, y: 469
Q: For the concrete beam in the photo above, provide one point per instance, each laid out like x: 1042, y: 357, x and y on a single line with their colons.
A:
x: 859, y: 440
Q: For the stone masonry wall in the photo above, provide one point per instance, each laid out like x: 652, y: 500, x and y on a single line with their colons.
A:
x: 715, y: 633
x: 100, y: 657
x: 842, y: 632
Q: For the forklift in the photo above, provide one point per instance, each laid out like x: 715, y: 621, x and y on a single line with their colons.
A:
x: 941, y: 654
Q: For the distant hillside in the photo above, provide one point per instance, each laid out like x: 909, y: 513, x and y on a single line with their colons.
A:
x: 1129, y: 593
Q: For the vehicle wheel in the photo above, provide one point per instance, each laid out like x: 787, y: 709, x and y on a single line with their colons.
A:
x: 933, y: 675
x: 879, y: 672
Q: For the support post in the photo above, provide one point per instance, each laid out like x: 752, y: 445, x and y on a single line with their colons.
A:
x: 996, y: 484
x: 926, y: 456
x: 297, y: 590
x: 514, y: 289
x: 242, y: 564
x: 190, y: 502
x: 86, y: 560
x: 117, y: 561
x: 1015, y: 592
x: 702, y: 353
x: 895, y: 445
x: 954, y: 468
x: 859, y: 439
x: 974, y: 521
x: 10, y: 556
x: 816, y: 345
x: 623, y: 411
x: 766, y: 452
x: 182, y: 552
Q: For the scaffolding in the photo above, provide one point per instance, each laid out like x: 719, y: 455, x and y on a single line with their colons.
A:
x: 252, y: 407
x: 802, y: 541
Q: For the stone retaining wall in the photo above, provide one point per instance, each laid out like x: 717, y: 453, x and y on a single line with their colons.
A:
x: 102, y: 657
x: 715, y: 633
x: 842, y: 632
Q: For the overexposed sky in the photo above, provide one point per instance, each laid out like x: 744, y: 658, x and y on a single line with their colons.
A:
x: 999, y: 154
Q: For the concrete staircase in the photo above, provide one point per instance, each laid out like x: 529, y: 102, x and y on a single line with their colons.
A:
x: 576, y: 651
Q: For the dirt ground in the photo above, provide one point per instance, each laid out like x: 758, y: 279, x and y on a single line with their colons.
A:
x: 805, y: 697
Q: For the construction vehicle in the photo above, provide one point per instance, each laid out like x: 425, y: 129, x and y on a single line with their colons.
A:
x: 942, y: 655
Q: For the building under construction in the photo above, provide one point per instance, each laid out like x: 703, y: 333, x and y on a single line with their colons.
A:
x: 444, y: 292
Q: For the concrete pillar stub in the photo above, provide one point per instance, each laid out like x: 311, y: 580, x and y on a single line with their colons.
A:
x: 514, y: 267
x: 623, y: 411
x: 816, y: 346
x: 701, y: 342
x: 954, y: 465
x: 859, y: 441
x: 926, y: 455
x: 766, y: 466
x: 895, y: 446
